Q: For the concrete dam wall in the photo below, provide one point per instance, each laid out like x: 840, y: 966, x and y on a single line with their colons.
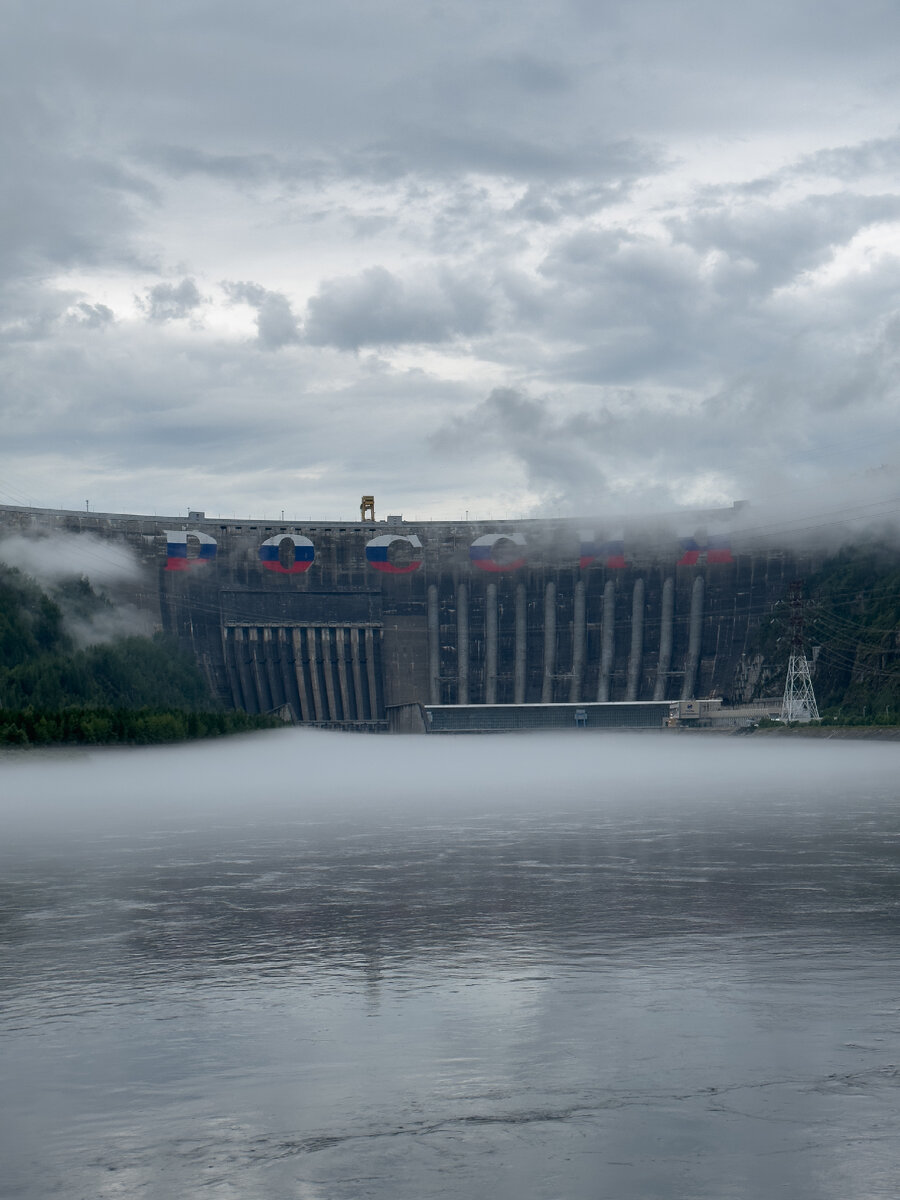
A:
x: 339, y: 621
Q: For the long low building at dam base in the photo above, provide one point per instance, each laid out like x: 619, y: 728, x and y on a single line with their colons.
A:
x: 519, y: 718
x: 340, y: 624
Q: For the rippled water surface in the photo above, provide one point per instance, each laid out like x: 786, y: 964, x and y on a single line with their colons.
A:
x: 326, y: 966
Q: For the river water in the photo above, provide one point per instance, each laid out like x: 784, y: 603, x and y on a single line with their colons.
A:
x: 324, y: 966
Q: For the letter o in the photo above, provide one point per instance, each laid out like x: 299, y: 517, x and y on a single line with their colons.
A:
x: 304, y: 553
x: 377, y: 550
x: 481, y: 552
x: 176, y: 549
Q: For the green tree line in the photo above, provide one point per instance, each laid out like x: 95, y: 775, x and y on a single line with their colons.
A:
x: 120, y: 726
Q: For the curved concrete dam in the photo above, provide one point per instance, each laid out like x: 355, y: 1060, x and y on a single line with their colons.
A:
x: 339, y: 621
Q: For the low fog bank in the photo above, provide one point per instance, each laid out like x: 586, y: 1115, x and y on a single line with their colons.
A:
x: 312, y: 774
x: 854, y: 509
x: 91, y: 579
x: 52, y: 558
x: 861, y: 508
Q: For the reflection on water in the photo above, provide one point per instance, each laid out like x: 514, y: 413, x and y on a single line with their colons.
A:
x: 551, y: 967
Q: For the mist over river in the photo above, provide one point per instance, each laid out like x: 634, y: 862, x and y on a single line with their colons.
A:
x: 319, y: 966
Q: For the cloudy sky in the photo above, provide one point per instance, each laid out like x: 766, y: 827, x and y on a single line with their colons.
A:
x: 552, y: 257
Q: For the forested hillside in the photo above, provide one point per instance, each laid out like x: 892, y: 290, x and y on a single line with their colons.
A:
x: 853, y: 617
x: 40, y: 664
x: 132, y: 689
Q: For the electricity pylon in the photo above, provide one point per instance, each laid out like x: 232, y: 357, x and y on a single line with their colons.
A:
x: 799, y: 703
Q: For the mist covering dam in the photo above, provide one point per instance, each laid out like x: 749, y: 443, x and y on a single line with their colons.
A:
x: 306, y: 965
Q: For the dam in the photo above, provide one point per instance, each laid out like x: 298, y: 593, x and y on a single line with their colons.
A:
x: 341, y: 623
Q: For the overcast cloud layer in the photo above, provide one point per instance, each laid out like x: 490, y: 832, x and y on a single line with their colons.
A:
x: 549, y: 258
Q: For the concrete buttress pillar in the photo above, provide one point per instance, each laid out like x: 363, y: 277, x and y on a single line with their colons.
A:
x: 549, y: 643
x: 328, y: 672
x: 340, y: 648
x: 665, y: 639
x: 306, y: 711
x: 315, y: 668
x: 521, y: 652
x: 490, y: 645
x: 578, y: 644
x: 288, y: 682
x: 462, y: 644
x: 264, y: 700
x: 240, y: 658
x: 434, y: 645
x: 636, y: 654
x: 607, y: 640
x: 229, y: 649
x: 273, y: 667
x: 372, y: 674
x: 362, y: 711
x: 694, y: 640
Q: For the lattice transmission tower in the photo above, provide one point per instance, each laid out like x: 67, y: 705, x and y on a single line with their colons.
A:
x: 799, y: 703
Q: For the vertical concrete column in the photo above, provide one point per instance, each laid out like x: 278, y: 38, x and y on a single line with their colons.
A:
x: 579, y: 638
x: 549, y: 642
x: 286, y: 676
x: 462, y: 644
x: 306, y: 711
x: 362, y: 710
x: 340, y: 645
x: 636, y: 654
x: 273, y: 673
x: 241, y: 659
x: 264, y: 700
x: 434, y: 645
x: 228, y: 649
x: 694, y: 640
x: 328, y: 672
x: 665, y: 639
x: 374, y: 705
x: 521, y: 653
x: 607, y: 640
x: 490, y: 645
x: 288, y: 680
x: 314, y: 669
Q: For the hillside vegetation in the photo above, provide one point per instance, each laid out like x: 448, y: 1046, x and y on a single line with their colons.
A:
x: 133, y: 689
x: 853, y: 617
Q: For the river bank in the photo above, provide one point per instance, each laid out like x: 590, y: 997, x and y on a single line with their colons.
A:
x: 878, y: 733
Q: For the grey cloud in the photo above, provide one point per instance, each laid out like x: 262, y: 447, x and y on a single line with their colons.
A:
x: 489, y: 148
x: 624, y: 452
x: 92, y: 316
x: 537, y: 205
x: 66, y: 201
x: 556, y: 452
x: 182, y: 161
x: 613, y: 307
x: 548, y: 205
x: 240, y: 170
x: 617, y: 308
x: 171, y: 301
x: 276, y: 324
x: 29, y: 312
x: 779, y: 242
x: 875, y: 156
x: 531, y: 73
x: 377, y: 308
x: 616, y: 455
